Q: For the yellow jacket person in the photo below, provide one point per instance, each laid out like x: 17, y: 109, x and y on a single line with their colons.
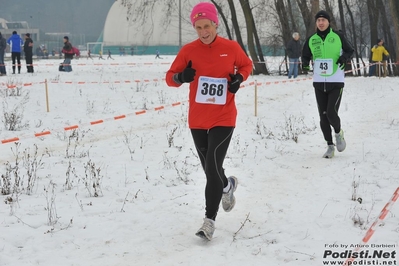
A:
x: 378, y: 50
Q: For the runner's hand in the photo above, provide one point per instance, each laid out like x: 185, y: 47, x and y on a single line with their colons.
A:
x: 235, y: 82
x: 341, y: 62
x: 188, y: 74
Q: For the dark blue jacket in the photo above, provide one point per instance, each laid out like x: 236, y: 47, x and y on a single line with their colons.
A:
x: 15, y: 43
x: 3, y: 43
x: 294, y: 49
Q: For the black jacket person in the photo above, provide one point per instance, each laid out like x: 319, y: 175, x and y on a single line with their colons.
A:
x: 28, y: 50
x: 68, y: 54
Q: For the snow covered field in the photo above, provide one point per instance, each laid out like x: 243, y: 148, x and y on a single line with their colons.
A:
x: 292, y: 207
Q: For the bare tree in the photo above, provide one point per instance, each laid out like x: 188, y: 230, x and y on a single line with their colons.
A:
x: 352, y: 23
x: 341, y: 15
x: 394, y: 7
x: 330, y: 10
x: 386, y: 29
x: 294, y: 23
x: 236, y: 27
x: 282, y: 11
x: 271, y: 23
x: 373, y: 20
x: 308, y: 14
x: 254, y: 48
x: 224, y: 19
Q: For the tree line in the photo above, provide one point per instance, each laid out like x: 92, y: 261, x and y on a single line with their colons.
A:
x: 271, y: 23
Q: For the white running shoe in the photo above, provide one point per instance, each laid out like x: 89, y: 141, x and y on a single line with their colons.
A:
x: 207, y: 229
x: 228, y: 199
x: 340, y: 141
x: 330, y: 152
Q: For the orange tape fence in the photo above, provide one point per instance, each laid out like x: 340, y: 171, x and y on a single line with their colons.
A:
x: 374, y: 226
x: 12, y: 85
x: 91, y: 123
x: 41, y: 134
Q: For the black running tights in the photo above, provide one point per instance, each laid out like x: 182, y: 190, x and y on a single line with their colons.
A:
x: 212, y: 147
x: 328, y: 103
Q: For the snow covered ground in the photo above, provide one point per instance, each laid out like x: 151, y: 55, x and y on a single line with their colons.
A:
x: 292, y: 207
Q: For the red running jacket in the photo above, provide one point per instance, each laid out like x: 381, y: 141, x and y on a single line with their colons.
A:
x: 216, y: 60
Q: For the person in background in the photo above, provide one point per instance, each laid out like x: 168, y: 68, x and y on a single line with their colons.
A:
x: 15, y: 43
x: 28, y: 50
x: 378, y: 51
x: 68, y: 52
x: 109, y: 55
x: 39, y: 51
x: 89, y: 54
x: 45, y: 52
x: 3, y: 46
x: 330, y: 51
x: 294, y: 53
x: 157, y: 54
x: 100, y: 53
x: 214, y: 67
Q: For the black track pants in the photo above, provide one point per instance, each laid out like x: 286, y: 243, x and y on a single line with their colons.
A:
x: 212, y: 147
x: 16, y: 56
x: 29, y: 62
x: 328, y: 103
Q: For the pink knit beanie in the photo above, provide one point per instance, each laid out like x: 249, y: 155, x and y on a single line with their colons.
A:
x: 204, y: 10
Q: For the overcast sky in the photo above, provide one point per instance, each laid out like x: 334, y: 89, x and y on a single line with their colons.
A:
x: 75, y: 16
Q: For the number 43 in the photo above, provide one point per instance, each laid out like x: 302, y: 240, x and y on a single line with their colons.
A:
x: 323, y: 66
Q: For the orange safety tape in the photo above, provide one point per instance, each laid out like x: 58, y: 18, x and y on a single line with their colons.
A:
x: 140, y: 112
x: 252, y: 83
x: 71, y: 127
x: 95, y: 122
x: 92, y: 64
x: 373, y: 227
x: 295, y: 80
x: 163, y: 79
x: 160, y: 63
x: 42, y: 133
x: 156, y: 108
x: 13, y: 86
x: 4, y: 141
x: 156, y: 80
x: 119, y: 117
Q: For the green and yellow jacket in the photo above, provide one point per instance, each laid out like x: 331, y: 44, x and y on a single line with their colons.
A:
x: 324, y: 48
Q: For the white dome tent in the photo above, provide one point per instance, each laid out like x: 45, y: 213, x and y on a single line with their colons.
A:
x: 127, y: 25
x: 146, y: 33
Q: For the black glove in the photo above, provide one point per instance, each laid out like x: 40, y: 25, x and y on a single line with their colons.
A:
x: 235, y: 82
x: 187, y: 75
x: 341, y: 62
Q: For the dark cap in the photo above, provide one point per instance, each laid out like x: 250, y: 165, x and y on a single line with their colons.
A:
x: 66, y: 37
x: 322, y: 14
x: 14, y: 32
x: 27, y: 35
